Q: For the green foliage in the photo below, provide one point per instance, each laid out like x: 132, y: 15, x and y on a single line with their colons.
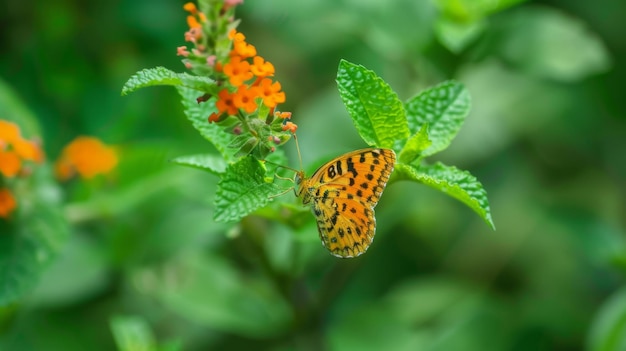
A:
x: 377, y: 112
x: 434, y: 116
x: 30, y: 241
x: 243, y: 189
x: 162, y: 76
x: 135, y: 260
x: 459, y: 184
x: 208, y: 162
x: 443, y: 108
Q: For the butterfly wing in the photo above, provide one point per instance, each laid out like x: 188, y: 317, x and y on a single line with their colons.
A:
x: 344, y: 193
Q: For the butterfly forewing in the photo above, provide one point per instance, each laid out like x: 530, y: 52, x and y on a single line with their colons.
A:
x: 344, y: 193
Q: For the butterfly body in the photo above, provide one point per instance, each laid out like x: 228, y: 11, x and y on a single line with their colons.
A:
x: 342, y: 194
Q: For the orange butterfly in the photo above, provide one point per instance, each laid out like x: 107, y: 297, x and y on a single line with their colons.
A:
x: 343, y: 194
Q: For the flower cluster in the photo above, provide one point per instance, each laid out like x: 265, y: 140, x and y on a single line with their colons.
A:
x: 246, y: 96
x: 16, y: 153
x: 87, y: 157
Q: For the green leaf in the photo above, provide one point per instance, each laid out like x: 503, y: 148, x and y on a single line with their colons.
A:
x: 457, y: 183
x: 415, y: 145
x: 608, y: 331
x: 198, y: 114
x: 31, y: 240
x: 162, y: 76
x: 242, y: 190
x: 444, y: 108
x: 132, y: 334
x: 208, y: 162
x: 456, y: 36
x: 377, y: 112
x: 218, y: 295
x: 552, y: 44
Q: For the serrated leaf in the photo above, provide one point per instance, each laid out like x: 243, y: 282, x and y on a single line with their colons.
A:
x: 242, y: 190
x: 375, y: 109
x: 444, y: 107
x: 208, y: 162
x: 415, y: 145
x: 198, y: 114
x: 455, y: 182
x: 132, y: 334
x: 163, y: 76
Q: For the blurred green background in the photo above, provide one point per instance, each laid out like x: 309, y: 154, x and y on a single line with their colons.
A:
x: 144, y: 265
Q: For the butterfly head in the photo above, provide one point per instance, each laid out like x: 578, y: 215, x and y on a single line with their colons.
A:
x: 297, y: 180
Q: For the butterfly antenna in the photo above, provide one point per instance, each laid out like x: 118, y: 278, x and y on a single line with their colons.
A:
x: 298, y: 148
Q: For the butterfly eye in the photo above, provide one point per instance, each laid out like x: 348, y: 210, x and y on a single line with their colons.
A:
x: 297, y: 179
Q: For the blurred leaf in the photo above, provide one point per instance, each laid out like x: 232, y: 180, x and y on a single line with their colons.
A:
x: 242, y: 189
x: 444, y: 108
x: 550, y: 44
x: 377, y: 112
x: 198, y: 114
x: 457, y: 183
x: 470, y: 10
x: 207, y: 162
x: 132, y: 334
x: 88, y: 264
x: 33, y: 237
x: 608, y: 331
x: 162, y: 76
x: 425, y: 314
x: 13, y: 109
x: 206, y: 288
x: 415, y: 145
x: 458, y: 35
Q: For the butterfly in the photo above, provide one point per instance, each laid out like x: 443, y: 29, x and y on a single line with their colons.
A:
x: 342, y: 194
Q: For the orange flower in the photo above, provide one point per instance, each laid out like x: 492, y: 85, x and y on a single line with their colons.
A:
x: 270, y: 92
x: 190, y: 7
x: 14, y: 149
x: 7, y: 203
x: 245, y: 98
x: 261, y: 68
x: 192, y: 22
x: 283, y: 115
x: 290, y: 126
x: 86, y: 156
x: 225, y: 103
x: 9, y: 131
x: 243, y: 49
x: 238, y: 71
x: 10, y: 163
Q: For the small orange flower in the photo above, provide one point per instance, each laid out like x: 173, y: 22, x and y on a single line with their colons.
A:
x: 7, y: 203
x: 238, y: 71
x: 182, y: 51
x: 290, y: 126
x: 86, y: 156
x: 9, y: 131
x: 225, y: 103
x: 261, y: 68
x: 193, y: 34
x: 192, y: 22
x: 28, y: 150
x: 10, y: 163
x: 284, y: 115
x: 14, y: 149
x: 190, y: 7
x: 245, y: 98
x: 270, y: 92
x: 243, y: 49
